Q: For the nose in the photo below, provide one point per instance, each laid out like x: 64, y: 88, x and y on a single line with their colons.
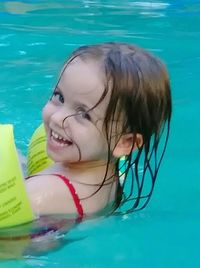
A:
x: 58, y: 117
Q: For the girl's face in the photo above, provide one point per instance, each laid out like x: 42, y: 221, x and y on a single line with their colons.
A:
x: 73, y: 133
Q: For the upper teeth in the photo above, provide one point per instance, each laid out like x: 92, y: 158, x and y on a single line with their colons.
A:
x: 57, y: 136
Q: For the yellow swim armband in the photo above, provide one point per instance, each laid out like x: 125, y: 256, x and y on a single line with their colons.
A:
x: 14, y: 203
x: 37, y: 157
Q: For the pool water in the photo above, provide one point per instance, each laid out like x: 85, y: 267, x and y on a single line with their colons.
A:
x: 35, y: 39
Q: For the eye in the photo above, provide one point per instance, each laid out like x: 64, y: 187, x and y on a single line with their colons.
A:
x: 84, y: 114
x: 57, y: 97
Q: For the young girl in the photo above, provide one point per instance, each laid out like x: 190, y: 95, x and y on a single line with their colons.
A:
x: 112, y: 100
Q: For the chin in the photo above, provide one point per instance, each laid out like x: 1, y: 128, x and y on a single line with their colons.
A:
x: 53, y: 156
x: 56, y: 157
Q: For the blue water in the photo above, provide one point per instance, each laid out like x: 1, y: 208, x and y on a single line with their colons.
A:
x: 35, y: 38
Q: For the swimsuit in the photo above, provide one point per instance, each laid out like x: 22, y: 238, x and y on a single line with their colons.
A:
x: 74, y: 194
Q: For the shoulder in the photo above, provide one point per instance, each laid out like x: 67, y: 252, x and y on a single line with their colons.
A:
x: 48, y: 194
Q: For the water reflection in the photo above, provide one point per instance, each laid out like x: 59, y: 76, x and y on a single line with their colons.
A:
x: 92, y: 8
x: 36, y: 238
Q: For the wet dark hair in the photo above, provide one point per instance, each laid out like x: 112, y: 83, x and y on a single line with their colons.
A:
x: 140, y: 94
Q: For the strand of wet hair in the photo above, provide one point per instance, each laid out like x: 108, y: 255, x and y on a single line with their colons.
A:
x: 153, y: 176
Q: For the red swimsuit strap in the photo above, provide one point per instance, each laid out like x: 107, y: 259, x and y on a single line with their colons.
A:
x: 74, y: 195
x: 72, y: 191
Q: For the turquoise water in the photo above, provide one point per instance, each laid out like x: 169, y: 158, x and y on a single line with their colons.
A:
x: 35, y: 38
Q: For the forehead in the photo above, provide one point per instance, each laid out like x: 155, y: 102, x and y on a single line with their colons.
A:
x: 83, y: 80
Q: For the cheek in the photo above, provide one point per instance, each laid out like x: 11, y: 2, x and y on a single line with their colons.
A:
x: 46, y: 112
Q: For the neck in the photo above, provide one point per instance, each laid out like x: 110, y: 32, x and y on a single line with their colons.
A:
x: 92, y: 172
x: 87, y: 164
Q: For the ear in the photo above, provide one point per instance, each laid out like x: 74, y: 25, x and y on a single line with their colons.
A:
x: 127, y: 143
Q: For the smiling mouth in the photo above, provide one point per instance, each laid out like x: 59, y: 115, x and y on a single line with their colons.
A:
x: 59, y: 140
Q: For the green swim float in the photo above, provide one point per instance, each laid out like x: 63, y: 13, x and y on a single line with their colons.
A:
x: 14, y: 203
x: 37, y: 156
